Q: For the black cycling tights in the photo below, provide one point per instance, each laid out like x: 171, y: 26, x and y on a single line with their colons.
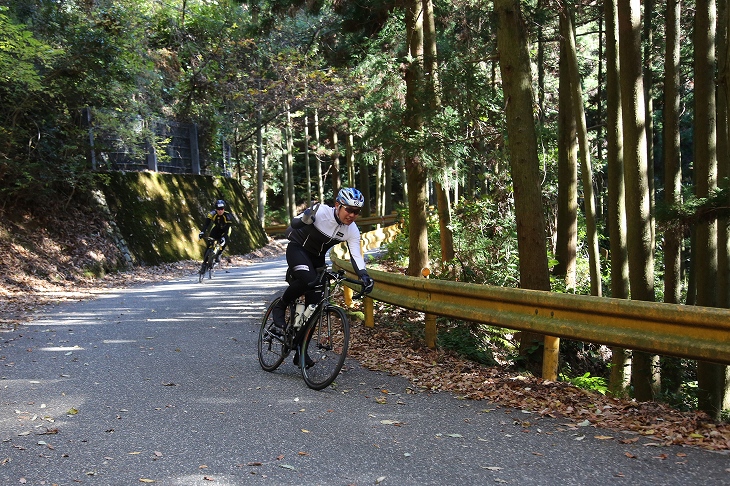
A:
x: 303, y: 266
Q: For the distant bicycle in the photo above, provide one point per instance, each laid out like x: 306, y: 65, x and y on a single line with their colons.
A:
x: 319, y: 333
x: 209, y: 263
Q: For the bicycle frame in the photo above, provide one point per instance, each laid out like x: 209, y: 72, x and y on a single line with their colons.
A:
x: 323, y: 283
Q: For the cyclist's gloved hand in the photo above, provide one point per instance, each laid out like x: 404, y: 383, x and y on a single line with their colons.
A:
x: 367, y: 283
x: 223, y: 241
x: 201, y: 234
x: 307, y: 216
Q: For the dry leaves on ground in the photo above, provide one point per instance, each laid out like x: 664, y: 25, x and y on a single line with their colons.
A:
x: 391, y: 349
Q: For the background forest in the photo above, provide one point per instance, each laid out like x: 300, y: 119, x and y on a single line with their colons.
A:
x: 552, y: 145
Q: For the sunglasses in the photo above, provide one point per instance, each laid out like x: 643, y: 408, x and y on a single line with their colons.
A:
x: 350, y: 210
x: 219, y: 209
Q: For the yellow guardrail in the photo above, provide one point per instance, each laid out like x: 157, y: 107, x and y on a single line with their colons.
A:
x: 278, y: 229
x: 701, y: 333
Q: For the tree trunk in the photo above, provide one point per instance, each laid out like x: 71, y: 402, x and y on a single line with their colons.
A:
x: 723, y: 152
x: 336, y: 181
x: 710, y: 376
x: 320, y: 179
x: 647, y: 16
x: 640, y: 243
x: 671, y: 367
x: 289, y: 135
x: 306, y: 160
x: 350, y: 157
x: 389, y: 183
x: 261, y: 188
x: 723, y: 167
x: 379, y: 196
x: 514, y: 63
x: 443, y: 205
x: 365, y: 186
x: 416, y: 170
x: 566, y: 29
x: 567, y: 224
x: 620, y: 361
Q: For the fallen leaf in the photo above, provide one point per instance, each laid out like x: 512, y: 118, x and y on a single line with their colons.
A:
x: 603, y: 437
x: 145, y: 480
x: 492, y: 468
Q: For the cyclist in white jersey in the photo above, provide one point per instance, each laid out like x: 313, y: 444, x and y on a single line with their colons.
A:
x: 311, y: 235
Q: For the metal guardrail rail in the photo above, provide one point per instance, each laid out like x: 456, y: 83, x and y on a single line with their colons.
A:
x: 701, y: 333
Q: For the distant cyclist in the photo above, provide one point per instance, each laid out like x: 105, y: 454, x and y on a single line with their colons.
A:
x: 222, y: 222
x: 311, y: 235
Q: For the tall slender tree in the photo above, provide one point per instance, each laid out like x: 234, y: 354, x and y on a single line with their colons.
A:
x: 416, y: 171
x: 671, y: 367
x: 616, y: 191
x: 640, y: 241
x: 568, y: 37
x: 567, y: 220
x: 514, y: 63
x: 710, y: 376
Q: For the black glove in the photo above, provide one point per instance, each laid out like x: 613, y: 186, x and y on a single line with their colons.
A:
x: 201, y: 234
x: 223, y: 241
x: 307, y: 216
x: 367, y: 283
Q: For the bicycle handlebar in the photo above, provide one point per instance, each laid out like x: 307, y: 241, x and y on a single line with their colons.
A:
x: 326, y: 274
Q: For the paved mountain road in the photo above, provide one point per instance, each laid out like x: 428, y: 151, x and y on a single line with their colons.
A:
x: 162, y: 383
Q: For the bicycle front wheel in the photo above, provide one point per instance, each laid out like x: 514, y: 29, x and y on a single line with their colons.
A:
x: 203, y: 269
x: 272, y: 349
x: 211, y: 265
x: 325, y: 344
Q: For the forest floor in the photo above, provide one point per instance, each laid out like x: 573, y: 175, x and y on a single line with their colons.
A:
x: 45, y: 261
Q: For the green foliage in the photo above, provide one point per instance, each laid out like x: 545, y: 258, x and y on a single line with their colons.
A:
x: 588, y: 382
x: 485, y: 242
x: 467, y: 340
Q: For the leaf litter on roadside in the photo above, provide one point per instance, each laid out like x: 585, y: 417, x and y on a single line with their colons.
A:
x: 393, y: 350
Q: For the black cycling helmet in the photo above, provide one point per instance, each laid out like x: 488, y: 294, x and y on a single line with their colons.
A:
x: 220, y: 204
x: 349, y: 196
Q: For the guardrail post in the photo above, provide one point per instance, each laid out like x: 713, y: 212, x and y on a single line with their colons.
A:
x: 430, y: 333
x: 550, y: 357
x: 348, y: 295
x: 369, y: 312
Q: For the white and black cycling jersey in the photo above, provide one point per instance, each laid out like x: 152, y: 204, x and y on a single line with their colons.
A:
x: 326, y: 232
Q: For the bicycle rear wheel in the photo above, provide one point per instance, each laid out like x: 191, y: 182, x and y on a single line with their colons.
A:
x: 325, y: 343
x: 272, y: 347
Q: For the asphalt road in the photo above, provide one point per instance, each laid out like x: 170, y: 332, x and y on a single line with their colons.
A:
x: 161, y: 383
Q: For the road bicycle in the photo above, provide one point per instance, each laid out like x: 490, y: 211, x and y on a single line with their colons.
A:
x: 209, y: 263
x: 319, y: 333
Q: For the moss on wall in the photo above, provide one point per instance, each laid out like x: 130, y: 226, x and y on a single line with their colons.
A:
x: 160, y: 215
